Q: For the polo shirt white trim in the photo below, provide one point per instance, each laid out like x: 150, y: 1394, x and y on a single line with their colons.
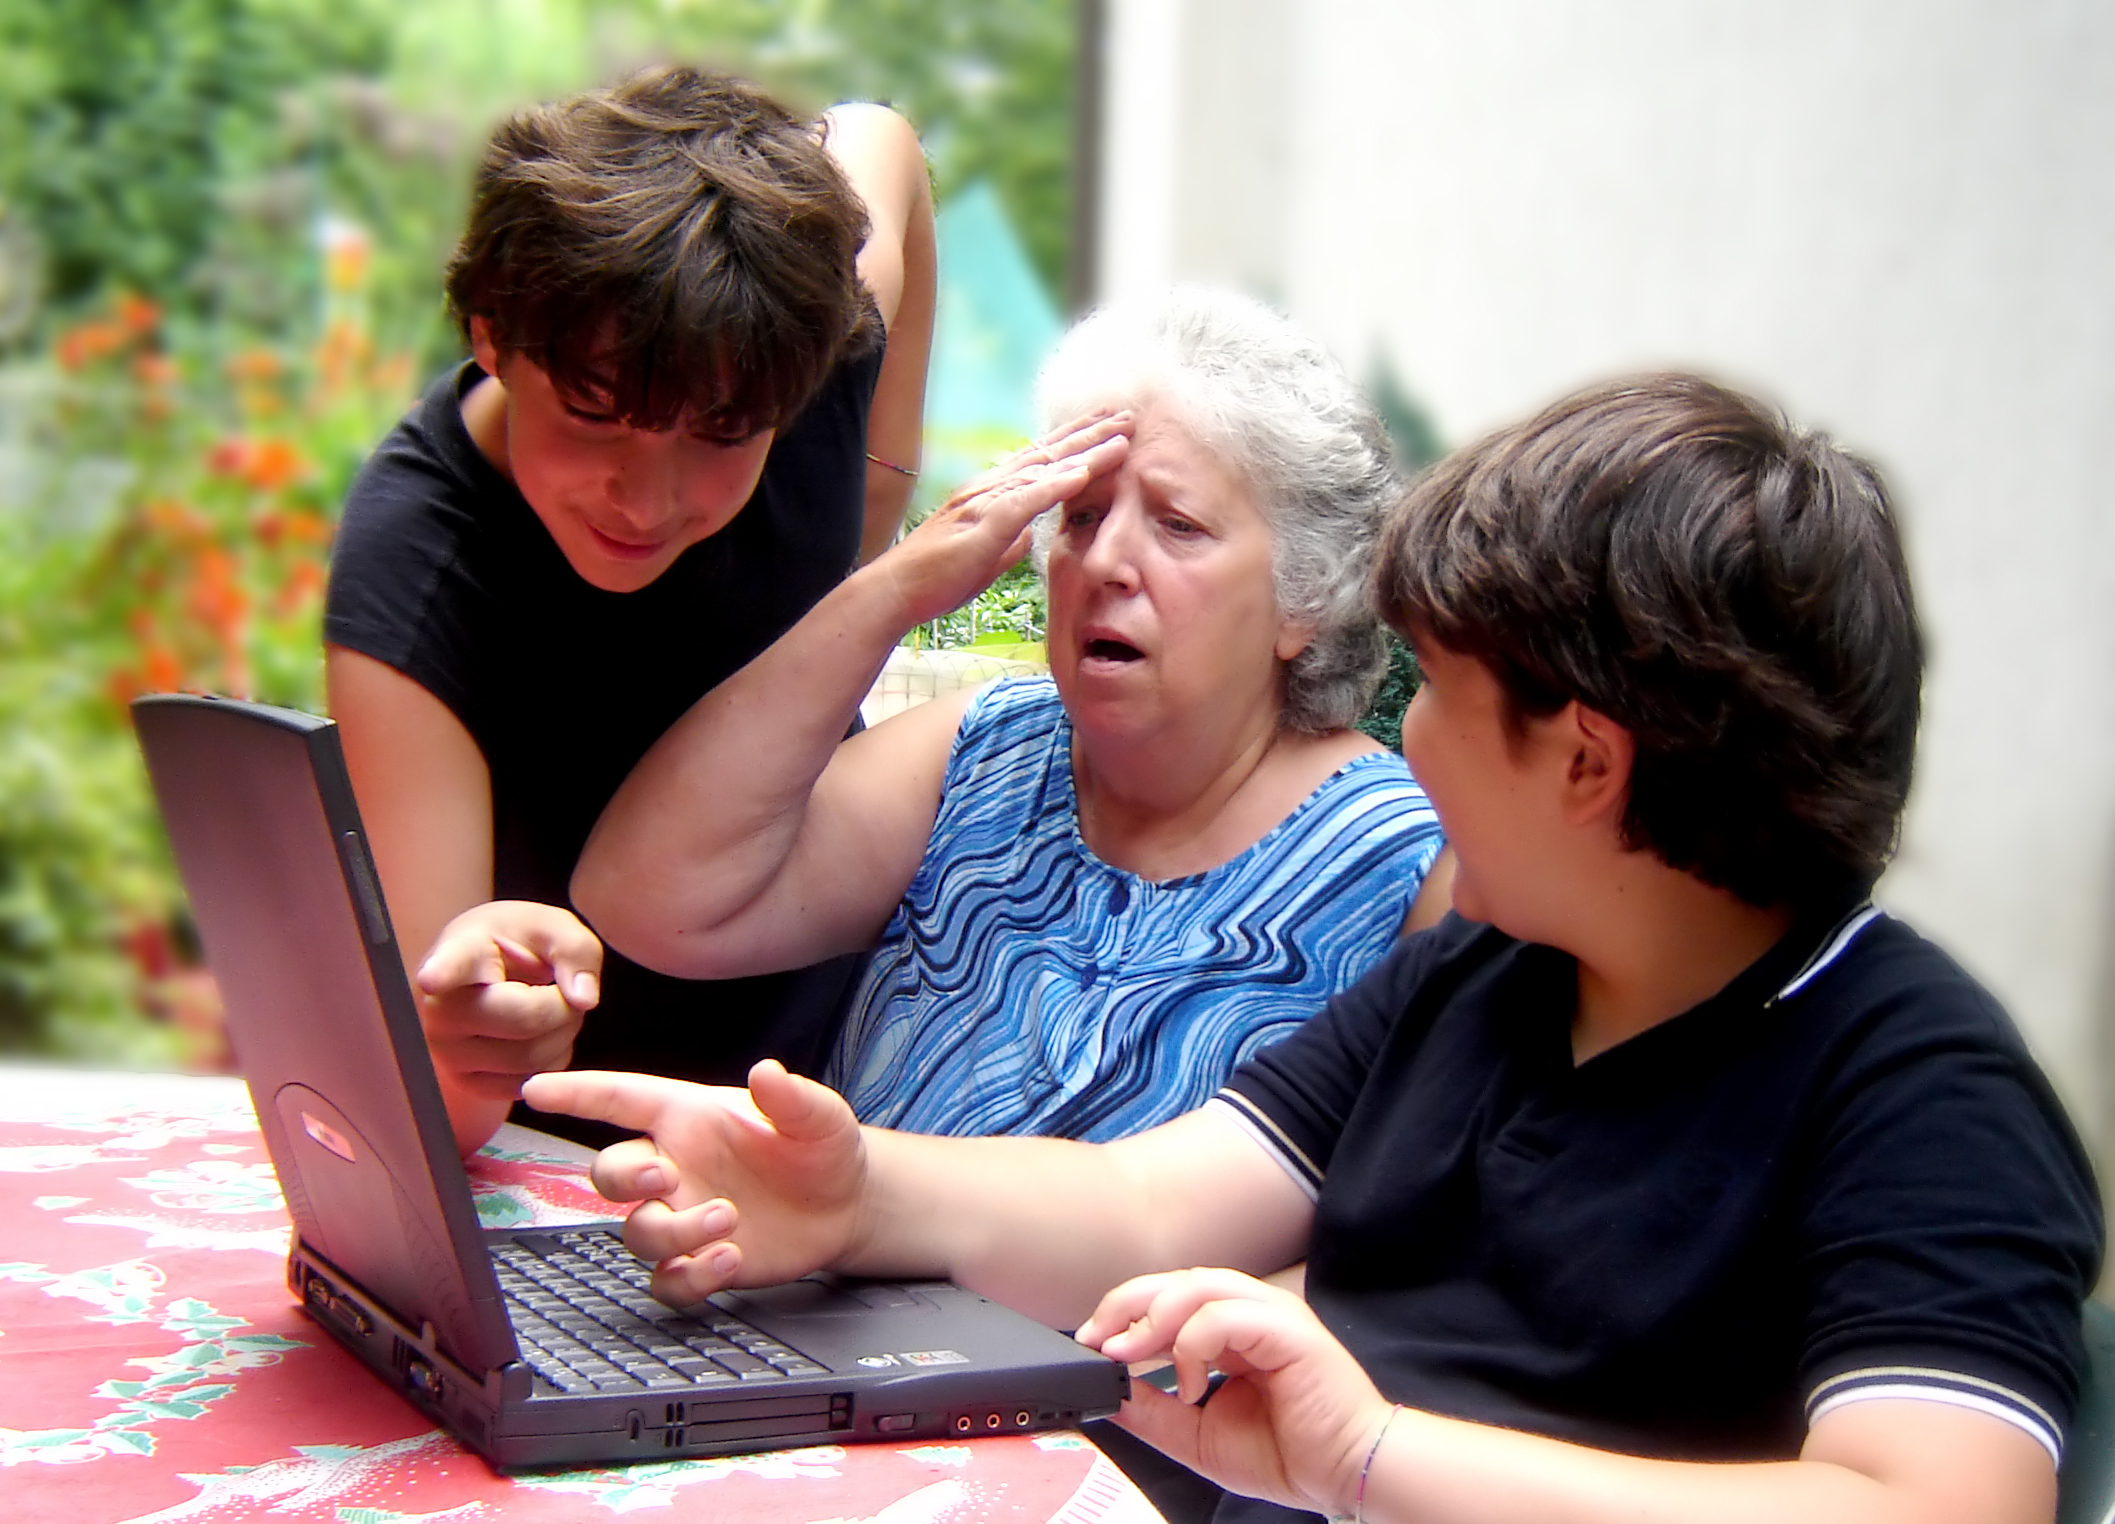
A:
x: 1919, y: 1384
x: 1271, y: 1139
x: 1830, y: 952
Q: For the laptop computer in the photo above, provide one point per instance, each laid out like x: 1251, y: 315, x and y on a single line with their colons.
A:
x: 536, y: 1348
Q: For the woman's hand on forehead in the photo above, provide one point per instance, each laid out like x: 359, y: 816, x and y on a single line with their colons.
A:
x: 985, y: 527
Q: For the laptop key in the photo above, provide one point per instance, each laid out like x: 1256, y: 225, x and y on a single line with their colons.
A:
x: 748, y: 1367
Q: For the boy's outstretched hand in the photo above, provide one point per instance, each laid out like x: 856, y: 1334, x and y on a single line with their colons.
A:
x: 786, y: 1149
x: 1296, y: 1417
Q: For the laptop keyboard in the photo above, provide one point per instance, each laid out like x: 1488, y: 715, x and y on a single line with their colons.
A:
x: 587, y: 1323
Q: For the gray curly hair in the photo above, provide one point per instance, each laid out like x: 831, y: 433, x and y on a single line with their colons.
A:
x: 1302, y: 436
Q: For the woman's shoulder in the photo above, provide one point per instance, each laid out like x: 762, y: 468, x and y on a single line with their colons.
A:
x: 1366, y: 821
x: 1015, y: 700
x: 1365, y: 778
x: 1010, y: 736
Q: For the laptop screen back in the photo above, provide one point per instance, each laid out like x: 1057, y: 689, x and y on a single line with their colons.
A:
x: 261, y: 815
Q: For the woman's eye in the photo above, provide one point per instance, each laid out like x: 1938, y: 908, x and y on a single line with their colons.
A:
x: 1176, y: 524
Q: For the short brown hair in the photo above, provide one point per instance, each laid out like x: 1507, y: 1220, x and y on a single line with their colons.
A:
x: 678, y: 244
x: 1729, y: 590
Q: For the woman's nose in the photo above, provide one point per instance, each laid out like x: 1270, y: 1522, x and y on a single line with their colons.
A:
x: 1112, y: 553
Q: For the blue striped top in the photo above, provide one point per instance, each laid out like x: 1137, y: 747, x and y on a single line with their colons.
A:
x: 1026, y: 986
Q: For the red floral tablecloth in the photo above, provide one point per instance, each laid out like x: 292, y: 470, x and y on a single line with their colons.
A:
x: 154, y: 1367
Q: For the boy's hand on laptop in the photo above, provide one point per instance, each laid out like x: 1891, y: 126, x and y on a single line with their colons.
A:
x: 503, y: 992
x: 1297, y: 1416
x: 788, y: 1150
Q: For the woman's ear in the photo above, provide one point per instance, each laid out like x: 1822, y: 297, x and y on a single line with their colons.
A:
x: 1294, y: 636
x: 1597, y: 778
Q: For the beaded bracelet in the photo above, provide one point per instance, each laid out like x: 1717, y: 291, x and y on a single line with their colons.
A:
x: 1358, y: 1506
x: 892, y: 466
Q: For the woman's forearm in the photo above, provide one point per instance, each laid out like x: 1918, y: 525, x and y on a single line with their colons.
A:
x: 705, y: 831
x: 711, y: 813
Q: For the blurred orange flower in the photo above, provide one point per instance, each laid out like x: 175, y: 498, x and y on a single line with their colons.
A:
x: 347, y: 251
x: 217, y: 598
x: 344, y: 345
x: 304, y: 584
x: 265, y: 464
x: 273, y: 464
x: 163, y: 673
x: 255, y: 365
x: 176, y: 519
x: 275, y: 526
x: 137, y: 316
x: 391, y: 374
x: 84, y: 344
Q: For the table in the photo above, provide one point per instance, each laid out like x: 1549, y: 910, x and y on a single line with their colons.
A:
x: 153, y: 1366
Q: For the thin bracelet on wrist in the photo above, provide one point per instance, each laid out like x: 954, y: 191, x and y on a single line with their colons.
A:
x: 892, y: 466
x: 1358, y: 1504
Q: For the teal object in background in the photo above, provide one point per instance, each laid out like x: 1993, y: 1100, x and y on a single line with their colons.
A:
x: 992, y: 328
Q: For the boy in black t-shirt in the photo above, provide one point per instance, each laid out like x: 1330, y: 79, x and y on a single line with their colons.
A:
x: 699, y: 324
x: 1666, y: 1181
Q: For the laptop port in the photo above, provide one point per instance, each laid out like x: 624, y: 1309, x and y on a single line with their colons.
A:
x: 424, y: 1379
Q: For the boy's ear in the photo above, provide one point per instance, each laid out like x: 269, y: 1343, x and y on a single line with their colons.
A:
x: 1597, y: 777
x: 482, y: 346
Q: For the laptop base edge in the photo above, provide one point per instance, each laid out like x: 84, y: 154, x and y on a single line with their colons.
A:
x: 492, y: 1413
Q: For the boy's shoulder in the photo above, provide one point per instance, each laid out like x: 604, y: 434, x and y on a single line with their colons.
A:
x: 427, y: 462
x: 1874, y: 982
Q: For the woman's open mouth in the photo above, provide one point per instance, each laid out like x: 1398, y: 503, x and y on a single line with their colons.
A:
x: 1110, y: 657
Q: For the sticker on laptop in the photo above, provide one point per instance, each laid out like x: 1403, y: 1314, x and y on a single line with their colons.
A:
x: 934, y: 1357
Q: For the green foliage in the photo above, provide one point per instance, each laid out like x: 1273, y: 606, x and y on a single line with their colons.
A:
x: 1383, y: 719
x: 1013, y: 607
x: 163, y: 524
x: 129, y: 129
x: 1410, y: 427
x: 1417, y: 445
x: 77, y: 849
x: 989, y: 85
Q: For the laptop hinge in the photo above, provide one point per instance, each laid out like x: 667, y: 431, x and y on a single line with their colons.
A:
x: 334, y: 1296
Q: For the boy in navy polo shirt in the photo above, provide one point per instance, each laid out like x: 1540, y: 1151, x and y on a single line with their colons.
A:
x: 1668, y: 1180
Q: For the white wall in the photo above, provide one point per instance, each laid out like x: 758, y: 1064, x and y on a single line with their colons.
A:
x: 1895, y: 217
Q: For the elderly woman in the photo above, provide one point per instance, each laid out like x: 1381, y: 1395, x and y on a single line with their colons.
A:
x: 1088, y: 895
